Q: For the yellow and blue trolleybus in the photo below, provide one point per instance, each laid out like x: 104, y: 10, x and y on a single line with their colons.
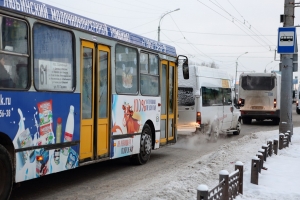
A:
x: 74, y: 91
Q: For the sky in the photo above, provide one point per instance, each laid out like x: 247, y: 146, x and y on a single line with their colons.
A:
x: 204, y: 30
x: 280, y: 181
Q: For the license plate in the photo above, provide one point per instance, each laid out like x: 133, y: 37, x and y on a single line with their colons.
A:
x: 257, y: 107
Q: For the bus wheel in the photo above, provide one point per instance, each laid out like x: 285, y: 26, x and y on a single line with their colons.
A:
x: 145, y: 147
x: 6, y: 173
x: 247, y: 120
x: 297, y: 110
x: 238, y: 128
x: 276, y: 121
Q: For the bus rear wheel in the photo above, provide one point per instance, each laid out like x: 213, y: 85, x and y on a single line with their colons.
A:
x: 145, y: 147
x: 297, y: 110
x: 276, y: 121
x: 6, y: 173
x: 247, y: 120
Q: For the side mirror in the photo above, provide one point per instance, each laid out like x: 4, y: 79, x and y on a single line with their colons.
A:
x: 185, y: 67
x: 185, y: 70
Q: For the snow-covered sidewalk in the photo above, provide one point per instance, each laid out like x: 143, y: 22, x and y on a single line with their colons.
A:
x: 280, y: 181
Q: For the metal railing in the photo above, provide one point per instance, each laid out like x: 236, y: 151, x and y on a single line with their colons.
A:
x: 230, y: 185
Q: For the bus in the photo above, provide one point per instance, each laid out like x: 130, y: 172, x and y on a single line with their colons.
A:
x: 205, y: 103
x: 259, y: 97
x: 75, y: 91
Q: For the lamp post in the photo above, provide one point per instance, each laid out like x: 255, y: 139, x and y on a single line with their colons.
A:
x: 160, y: 20
x: 236, y: 66
x: 266, y: 66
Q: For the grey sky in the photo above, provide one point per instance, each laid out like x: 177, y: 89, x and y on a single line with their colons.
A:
x: 206, y: 30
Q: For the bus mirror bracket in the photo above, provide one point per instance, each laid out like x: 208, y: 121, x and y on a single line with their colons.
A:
x: 185, y: 66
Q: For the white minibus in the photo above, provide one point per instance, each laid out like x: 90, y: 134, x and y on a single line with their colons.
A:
x: 205, y: 103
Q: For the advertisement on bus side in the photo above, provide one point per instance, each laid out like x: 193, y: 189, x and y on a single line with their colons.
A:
x: 129, y: 114
x: 41, y: 120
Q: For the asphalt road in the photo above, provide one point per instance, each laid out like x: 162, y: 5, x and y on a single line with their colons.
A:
x: 101, y: 180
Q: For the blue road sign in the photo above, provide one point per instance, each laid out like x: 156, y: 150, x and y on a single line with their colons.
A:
x: 286, y: 40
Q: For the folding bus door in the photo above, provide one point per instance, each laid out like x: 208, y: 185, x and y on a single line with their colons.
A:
x: 168, y: 102
x: 103, y: 94
x: 94, y: 136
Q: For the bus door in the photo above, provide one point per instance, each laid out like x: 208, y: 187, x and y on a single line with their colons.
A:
x: 168, y: 102
x: 94, y: 136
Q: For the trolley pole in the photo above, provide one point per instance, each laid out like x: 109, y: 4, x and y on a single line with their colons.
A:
x: 286, y: 121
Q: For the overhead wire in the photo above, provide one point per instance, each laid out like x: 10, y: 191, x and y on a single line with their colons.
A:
x: 234, y: 18
x: 225, y: 34
x: 190, y: 42
x: 246, y: 20
x: 90, y: 12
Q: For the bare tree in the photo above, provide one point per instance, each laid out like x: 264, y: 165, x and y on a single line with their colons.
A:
x: 211, y: 65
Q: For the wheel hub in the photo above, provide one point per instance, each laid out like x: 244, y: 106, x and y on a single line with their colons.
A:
x: 146, y: 144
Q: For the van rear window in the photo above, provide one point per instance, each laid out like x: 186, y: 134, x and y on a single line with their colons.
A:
x: 258, y: 82
x: 186, y: 96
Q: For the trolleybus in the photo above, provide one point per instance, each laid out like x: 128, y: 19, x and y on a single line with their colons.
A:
x: 75, y: 91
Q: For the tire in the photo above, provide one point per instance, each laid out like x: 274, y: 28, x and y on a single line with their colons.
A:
x: 145, y: 147
x: 247, y: 120
x: 238, y: 128
x: 6, y: 173
x: 297, y: 110
x: 276, y: 121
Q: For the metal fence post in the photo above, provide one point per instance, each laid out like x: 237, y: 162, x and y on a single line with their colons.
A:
x: 265, y: 147
x: 270, y: 147
x: 290, y: 135
x: 224, y: 174
x: 275, y: 146
x: 202, y: 192
x: 261, y: 161
x: 240, y: 166
x: 254, y: 170
x: 263, y: 152
x: 281, y: 138
x: 287, y: 135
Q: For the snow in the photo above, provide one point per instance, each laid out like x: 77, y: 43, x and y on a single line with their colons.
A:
x: 281, y: 180
x: 223, y: 172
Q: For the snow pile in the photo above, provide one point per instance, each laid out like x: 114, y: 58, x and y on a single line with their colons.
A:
x: 182, y: 183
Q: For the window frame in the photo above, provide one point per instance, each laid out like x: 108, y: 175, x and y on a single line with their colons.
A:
x: 149, y: 73
x: 28, y: 55
x: 222, y: 90
x: 74, y: 81
x: 137, y: 71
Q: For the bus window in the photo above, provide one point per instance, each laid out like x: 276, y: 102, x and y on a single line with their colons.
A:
x: 53, y: 58
x: 14, y: 71
x: 126, y: 70
x: 103, y: 63
x: 149, y: 74
x: 212, y: 96
x: 258, y: 83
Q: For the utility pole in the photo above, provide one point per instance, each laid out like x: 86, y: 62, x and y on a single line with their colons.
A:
x: 286, y: 120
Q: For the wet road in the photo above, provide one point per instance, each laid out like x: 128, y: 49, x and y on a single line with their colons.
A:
x: 101, y: 180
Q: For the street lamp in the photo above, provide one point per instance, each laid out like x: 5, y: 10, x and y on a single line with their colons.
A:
x: 160, y: 20
x: 266, y: 66
x: 236, y: 66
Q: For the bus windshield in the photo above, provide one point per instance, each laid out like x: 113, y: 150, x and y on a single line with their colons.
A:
x: 258, y: 82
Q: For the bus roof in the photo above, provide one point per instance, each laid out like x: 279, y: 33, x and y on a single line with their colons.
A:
x: 63, y: 17
x: 203, y: 71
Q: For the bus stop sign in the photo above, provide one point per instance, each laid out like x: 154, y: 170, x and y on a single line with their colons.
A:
x: 287, y: 40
